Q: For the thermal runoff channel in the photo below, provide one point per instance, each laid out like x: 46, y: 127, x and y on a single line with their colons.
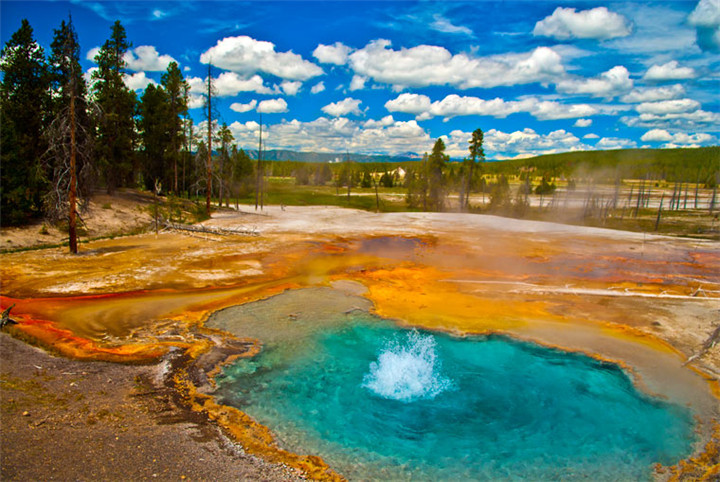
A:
x: 378, y: 401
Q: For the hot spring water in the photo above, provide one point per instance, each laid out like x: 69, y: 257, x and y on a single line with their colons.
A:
x: 380, y: 402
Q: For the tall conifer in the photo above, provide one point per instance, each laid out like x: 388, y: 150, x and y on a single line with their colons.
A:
x: 117, y: 103
x: 24, y: 102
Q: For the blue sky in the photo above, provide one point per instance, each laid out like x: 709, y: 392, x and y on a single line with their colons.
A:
x: 391, y: 77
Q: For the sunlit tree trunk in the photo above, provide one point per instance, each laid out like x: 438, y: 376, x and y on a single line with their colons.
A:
x: 208, y: 164
x: 72, y: 198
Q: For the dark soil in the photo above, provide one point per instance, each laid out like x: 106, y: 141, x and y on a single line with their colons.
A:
x: 62, y: 419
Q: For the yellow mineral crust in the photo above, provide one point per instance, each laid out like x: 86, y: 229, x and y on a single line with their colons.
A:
x: 130, y: 299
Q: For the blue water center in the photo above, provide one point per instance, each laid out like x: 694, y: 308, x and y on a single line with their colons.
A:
x: 380, y: 402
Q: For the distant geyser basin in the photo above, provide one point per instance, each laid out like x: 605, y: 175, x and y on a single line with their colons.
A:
x: 377, y: 401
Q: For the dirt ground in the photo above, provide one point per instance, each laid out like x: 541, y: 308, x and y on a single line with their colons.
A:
x: 124, y: 212
x: 69, y: 420
x: 64, y: 419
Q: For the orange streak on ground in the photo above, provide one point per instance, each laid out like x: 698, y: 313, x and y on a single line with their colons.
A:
x: 414, y: 288
x: 74, y: 326
x: 416, y: 295
x: 256, y: 438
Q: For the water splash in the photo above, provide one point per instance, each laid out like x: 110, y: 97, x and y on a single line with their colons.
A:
x: 407, y: 371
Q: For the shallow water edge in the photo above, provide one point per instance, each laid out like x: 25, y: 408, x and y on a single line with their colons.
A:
x: 534, y: 293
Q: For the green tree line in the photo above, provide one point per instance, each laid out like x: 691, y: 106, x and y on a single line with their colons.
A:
x: 62, y: 137
x: 116, y: 138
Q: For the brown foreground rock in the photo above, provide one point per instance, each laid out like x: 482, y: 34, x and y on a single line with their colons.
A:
x: 68, y: 420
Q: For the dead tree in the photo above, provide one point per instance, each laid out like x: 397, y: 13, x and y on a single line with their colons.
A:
x: 659, y: 214
x: 69, y: 158
x: 260, y: 175
x: 709, y: 343
x: 5, y: 317
x: 208, y: 164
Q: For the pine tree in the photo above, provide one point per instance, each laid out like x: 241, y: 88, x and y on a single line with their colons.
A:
x: 176, y: 88
x: 116, y: 129
x: 70, y: 135
x: 476, y: 154
x: 436, y: 163
x: 225, y: 167
x: 24, y: 103
x: 155, y: 125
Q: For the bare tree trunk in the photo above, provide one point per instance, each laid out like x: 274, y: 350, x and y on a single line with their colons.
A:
x: 468, y: 186
x: 220, y: 178
x: 425, y: 183
x: 259, y: 177
x: 672, y: 199
x: 641, y: 193
x: 208, y: 165
x: 175, y: 153
x: 377, y: 196
x: 657, y: 220
x: 72, y: 198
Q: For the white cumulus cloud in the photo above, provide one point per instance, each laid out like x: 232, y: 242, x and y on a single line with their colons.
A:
x: 229, y: 84
x: 583, y: 123
x: 669, y: 71
x: 336, y: 54
x: 426, y: 65
x: 706, y: 14
x: 238, y: 107
x: 137, y: 81
x: 678, y: 139
x: 654, y: 94
x: 343, y: 107
x: 527, y: 143
x: 384, y: 122
x: 317, y: 88
x: 615, y: 143
x: 196, y: 101
x: 291, y: 87
x: 92, y: 53
x: 697, y: 119
x: 338, y: 134
x: 454, y: 105
x: 656, y: 135
x: 409, y: 103
x: 612, y: 83
x: 676, y: 106
x: 597, y: 23
x: 706, y: 19
x: 358, y: 82
x: 147, y: 58
x: 272, y: 106
x: 246, y: 56
x: 144, y: 58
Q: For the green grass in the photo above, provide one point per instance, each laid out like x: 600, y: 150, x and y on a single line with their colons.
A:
x: 280, y: 191
x: 672, y: 165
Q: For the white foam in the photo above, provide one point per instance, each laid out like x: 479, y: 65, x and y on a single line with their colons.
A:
x: 407, y: 371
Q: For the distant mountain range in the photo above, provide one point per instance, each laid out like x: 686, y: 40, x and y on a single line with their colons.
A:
x: 325, y: 157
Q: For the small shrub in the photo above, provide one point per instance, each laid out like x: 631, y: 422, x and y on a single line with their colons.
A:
x: 199, y: 213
